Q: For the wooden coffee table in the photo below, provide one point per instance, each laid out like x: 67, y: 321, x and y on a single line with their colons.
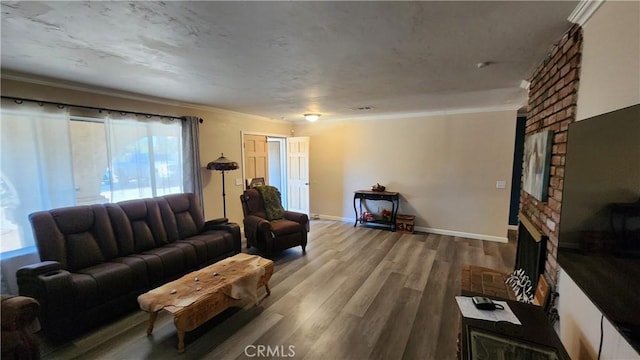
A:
x: 199, y: 296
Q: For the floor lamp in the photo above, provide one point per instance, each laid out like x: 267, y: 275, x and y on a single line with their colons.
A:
x: 222, y: 164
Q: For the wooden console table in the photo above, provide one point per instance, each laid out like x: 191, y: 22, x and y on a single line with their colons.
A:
x: 392, y: 197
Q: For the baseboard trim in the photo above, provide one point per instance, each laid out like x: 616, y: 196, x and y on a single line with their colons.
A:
x: 513, y: 227
x: 336, y: 218
x: 502, y: 239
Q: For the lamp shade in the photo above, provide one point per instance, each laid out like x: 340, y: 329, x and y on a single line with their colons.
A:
x: 222, y: 164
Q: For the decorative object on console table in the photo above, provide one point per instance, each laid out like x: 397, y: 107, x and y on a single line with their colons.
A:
x: 363, y: 216
x: 378, y: 188
x: 404, y: 223
x: 223, y: 164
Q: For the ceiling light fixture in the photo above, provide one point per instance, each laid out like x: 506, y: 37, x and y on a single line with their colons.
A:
x: 312, y: 117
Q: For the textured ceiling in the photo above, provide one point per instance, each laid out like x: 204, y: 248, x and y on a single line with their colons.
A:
x: 283, y: 59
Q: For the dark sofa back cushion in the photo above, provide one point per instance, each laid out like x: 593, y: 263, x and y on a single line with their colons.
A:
x: 146, y: 223
x: 82, y: 251
x: 122, y: 229
x: 252, y: 204
x: 182, y: 215
x: 76, y: 236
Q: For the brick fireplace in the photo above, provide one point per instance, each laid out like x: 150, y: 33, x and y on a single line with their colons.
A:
x: 531, y: 251
x: 552, y: 106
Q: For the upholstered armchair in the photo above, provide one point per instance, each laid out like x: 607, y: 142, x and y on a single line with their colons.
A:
x: 18, y: 318
x: 266, y: 231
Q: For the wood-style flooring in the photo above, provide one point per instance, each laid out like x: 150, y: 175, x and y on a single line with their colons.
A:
x: 358, y: 293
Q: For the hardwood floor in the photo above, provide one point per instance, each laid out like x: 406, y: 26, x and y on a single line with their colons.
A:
x: 357, y: 293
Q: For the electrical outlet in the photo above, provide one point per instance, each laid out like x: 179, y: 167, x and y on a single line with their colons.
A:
x: 238, y: 181
x: 501, y: 184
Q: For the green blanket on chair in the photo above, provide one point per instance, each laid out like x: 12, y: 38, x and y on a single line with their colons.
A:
x: 272, y: 203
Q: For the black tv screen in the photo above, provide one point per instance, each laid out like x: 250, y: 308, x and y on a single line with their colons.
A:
x: 599, y: 241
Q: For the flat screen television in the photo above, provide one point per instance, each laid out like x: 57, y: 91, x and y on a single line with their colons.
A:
x: 599, y: 241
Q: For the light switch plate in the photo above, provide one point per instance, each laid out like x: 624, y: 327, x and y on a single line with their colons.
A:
x: 238, y: 181
x: 501, y: 184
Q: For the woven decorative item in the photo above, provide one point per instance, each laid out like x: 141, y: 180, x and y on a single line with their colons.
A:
x: 521, y: 285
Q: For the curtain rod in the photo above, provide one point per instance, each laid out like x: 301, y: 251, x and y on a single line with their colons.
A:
x: 19, y: 100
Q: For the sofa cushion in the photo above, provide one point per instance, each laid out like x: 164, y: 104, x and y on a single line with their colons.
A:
x: 182, y: 215
x: 82, y: 251
x: 153, y: 263
x: 138, y: 267
x: 285, y: 227
x: 146, y: 223
x: 85, y: 291
x: 121, y: 229
x: 112, y: 279
x: 68, y: 230
x: 173, y: 260
x: 211, y: 244
x: 189, y: 253
x: 254, y: 204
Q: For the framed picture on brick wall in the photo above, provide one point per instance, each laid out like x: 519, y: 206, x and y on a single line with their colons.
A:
x: 537, y: 159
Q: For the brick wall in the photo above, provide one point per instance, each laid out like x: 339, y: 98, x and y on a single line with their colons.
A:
x: 553, y: 95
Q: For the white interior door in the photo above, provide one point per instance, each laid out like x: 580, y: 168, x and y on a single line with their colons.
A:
x: 298, y: 174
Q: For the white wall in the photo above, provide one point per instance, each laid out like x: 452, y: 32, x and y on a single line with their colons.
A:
x: 580, y: 326
x: 609, y: 80
x: 444, y: 166
x: 610, y: 68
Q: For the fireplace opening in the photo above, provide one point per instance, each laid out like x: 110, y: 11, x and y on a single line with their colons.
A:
x: 531, y: 250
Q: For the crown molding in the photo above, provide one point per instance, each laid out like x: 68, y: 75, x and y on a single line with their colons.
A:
x: 584, y: 10
x: 129, y: 96
x: 409, y: 115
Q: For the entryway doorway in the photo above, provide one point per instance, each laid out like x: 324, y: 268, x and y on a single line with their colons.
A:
x: 283, y: 162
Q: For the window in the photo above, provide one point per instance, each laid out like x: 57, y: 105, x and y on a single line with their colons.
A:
x: 50, y: 159
x: 117, y: 160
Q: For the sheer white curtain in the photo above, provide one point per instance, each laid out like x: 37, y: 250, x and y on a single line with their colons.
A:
x: 36, y: 167
x: 36, y: 174
x: 145, y: 157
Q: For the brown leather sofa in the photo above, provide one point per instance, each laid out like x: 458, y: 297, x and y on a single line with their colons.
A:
x: 18, y: 317
x: 274, y: 235
x: 97, y: 259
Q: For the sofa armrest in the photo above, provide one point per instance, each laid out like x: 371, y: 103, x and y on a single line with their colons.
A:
x: 224, y: 224
x: 258, y: 232
x: 218, y: 221
x: 300, y: 218
x: 257, y: 223
x: 51, y: 286
x: 45, y: 280
x: 40, y: 268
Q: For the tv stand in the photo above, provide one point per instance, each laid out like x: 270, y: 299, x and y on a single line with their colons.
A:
x: 534, y: 339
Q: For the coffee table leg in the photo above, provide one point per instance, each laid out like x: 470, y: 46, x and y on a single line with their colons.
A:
x: 180, y: 341
x: 152, y: 320
x: 266, y: 287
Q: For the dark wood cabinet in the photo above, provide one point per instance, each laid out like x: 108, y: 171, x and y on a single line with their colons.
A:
x: 534, y: 339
